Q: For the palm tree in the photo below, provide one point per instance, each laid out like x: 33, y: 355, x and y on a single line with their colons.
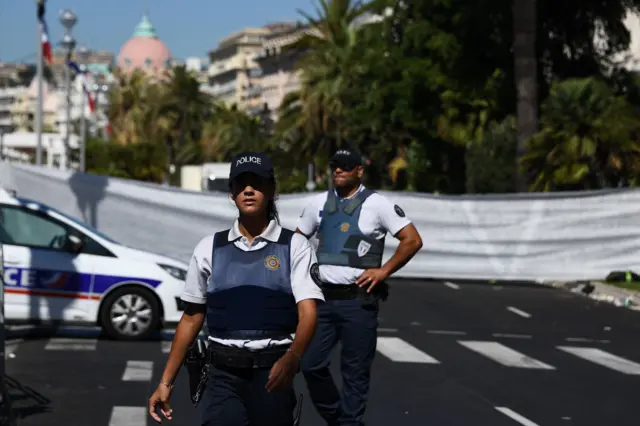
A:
x: 127, y: 106
x: 184, y: 108
x: 314, y: 116
x: 231, y: 130
x: 526, y: 72
x: 589, y: 139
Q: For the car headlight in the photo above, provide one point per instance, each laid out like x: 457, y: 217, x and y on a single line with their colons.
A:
x: 177, y: 273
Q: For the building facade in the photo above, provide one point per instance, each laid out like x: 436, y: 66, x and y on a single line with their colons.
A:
x: 277, y: 61
x: 233, y: 73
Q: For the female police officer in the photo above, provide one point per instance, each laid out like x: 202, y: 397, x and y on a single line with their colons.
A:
x: 252, y: 283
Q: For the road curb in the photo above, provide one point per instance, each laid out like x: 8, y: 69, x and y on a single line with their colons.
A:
x: 620, y: 297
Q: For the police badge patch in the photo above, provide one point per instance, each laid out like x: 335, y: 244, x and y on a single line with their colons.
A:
x: 399, y: 211
x: 363, y: 248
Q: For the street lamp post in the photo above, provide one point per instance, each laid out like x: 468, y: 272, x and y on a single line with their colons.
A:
x: 68, y: 19
x: 100, y: 91
x: 82, y: 56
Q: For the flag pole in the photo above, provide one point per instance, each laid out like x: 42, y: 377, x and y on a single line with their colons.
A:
x: 39, y: 76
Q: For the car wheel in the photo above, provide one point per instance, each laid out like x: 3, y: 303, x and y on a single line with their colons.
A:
x: 130, y: 313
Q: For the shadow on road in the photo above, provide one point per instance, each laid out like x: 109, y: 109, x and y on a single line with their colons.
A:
x: 25, y: 401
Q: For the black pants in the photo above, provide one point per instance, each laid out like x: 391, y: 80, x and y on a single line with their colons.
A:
x: 237, y: 397
x: 355, y: 327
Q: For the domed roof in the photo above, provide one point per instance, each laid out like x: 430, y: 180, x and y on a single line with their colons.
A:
x: 145, y: 51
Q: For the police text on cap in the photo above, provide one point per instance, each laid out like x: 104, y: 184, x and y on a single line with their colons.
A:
x: 242, y: 160
x: 343, y: 152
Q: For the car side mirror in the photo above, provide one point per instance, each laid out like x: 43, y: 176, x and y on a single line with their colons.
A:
x: 74, y: 243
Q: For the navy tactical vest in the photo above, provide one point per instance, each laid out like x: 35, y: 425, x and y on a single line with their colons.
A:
x: 249, y: 293
x: 341, y: 242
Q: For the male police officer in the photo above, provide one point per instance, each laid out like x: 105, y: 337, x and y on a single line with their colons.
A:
x: 352, y: 222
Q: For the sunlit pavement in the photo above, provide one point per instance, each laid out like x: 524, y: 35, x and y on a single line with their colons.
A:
x: 449, y: 353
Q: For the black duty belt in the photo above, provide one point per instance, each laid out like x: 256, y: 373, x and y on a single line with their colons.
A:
x: 220, y: 355
x: 340, y: 291
x: 353, y: 291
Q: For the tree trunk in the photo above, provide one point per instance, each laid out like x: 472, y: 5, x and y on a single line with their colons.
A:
x: 525, y: 72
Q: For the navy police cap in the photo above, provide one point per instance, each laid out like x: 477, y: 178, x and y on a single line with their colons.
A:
x: 257, y: 163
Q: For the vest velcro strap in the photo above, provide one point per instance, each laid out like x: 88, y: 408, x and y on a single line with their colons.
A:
x: 220, y: 355
x: 351, y: 260
x: 356, y: 201
x: 331, y: 205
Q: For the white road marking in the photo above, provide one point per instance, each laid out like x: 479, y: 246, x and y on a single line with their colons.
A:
x: 387, y: 330
x: 447, y: 332
x: 166, y: 347
x: 578, y: 339
x: 128, y: 416
x: 512, y: 336
x: 605, y: 359
x: 519, y: 312
x: 11, y: 346
x: 138, y: 371
x: 452, y: 285
x: 398, y: 350
x: 504, y: 355
x: 66, y: 344
x: 515, y: 416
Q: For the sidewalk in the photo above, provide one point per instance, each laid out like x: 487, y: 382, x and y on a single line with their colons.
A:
x: 595, y: 290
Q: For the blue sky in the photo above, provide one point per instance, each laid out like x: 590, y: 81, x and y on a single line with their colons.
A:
x: 188, y: 27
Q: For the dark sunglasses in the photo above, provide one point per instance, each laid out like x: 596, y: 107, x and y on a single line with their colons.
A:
x: 345, y: 167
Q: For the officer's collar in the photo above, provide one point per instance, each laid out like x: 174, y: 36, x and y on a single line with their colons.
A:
x: 272, y: 233
x: 360, y: 188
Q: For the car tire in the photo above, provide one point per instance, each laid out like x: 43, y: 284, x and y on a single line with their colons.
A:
x: 130, y: 313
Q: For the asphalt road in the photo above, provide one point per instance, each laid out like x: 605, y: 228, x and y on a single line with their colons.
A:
x: 448, y: 354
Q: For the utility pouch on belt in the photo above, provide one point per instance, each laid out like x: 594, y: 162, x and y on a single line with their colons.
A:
x: 196, y: 364
x: 379, y: 292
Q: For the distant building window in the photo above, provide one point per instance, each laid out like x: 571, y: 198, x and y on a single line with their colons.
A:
x: 147, y: 62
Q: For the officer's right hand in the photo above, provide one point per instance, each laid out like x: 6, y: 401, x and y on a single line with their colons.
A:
x: 160, y: 397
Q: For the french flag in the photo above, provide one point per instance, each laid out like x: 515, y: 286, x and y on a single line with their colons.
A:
x: 85, y: 84
x: 46, y: 44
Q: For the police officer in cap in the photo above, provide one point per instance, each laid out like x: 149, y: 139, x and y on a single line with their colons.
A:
x: 351, y: 222
x: 253, y: 286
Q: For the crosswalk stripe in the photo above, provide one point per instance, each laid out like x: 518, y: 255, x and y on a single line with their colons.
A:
x: 605, y: 359
x: 138, y: 371
x: 67, y: 344
x: 398, y: 350
x: 504, y: 355
x: 515, y: 416
x: 128, y: 416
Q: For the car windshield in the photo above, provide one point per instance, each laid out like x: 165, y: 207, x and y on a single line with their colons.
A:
x: 71, y: 218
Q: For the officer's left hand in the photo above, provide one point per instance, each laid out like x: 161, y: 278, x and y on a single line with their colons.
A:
x: 371, y: 278
x: 282, y: 372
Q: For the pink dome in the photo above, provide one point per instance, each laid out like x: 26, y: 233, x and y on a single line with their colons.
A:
x: 145, y: 51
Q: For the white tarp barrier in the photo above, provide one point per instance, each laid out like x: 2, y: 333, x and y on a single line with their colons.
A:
x: 565, y: 236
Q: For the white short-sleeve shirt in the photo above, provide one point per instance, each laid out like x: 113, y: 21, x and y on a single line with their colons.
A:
x: 302, y: 285
x: 378, y: 217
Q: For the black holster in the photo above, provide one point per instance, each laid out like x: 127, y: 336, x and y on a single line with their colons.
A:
x: 197, y: 368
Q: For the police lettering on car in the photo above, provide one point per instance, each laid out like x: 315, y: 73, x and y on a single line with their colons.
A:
x: 351, y: 223
x: 252, y: 284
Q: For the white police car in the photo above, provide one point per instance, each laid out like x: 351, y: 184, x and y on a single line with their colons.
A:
x: 58, y: 269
